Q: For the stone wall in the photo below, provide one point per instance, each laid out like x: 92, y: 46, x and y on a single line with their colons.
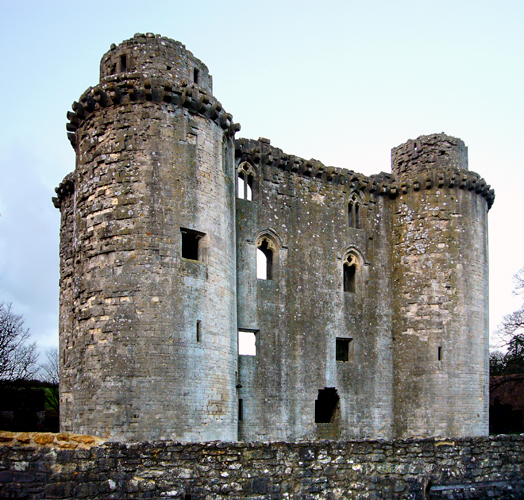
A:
x: 44, y: 466
x: 303, y: 311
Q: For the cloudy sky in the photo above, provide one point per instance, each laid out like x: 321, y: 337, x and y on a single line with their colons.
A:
x: 339, y: 81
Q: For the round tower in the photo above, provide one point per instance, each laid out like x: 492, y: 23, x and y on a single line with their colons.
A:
x: 440, y: 286
x: 148, y: 329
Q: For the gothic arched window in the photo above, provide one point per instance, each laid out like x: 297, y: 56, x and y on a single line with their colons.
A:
x: 245, y: 181
x: 265, y: 260
x: 350, y: 273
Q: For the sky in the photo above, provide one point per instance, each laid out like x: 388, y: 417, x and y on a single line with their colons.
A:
x: 339, y: 81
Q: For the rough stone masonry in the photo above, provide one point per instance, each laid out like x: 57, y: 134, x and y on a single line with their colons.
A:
x: 72, y: 466
x: 368, y: 310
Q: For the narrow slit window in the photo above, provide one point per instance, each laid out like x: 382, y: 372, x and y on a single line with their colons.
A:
x: 240, y: 410
x: 439, y: 353
x: 249, y: 188
x: 247, y: 343
x: 199, y: 331
x: 190, y: 244
x: 353, y: 215
x: 196, y: 74
x: 326, y: 405
x: 123, y: 64
x: 350, y: 274
x: 264, y: 261
x: 343, y: 347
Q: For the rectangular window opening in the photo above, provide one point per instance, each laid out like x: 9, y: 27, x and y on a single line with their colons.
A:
x: 190, y: 244
x: 439, y: 353
x: 247, y: 343
x: 240, y: 409
x: 343, y: 349
x: 123, y: 64
x: 195, y: 75
x: 199, y: 331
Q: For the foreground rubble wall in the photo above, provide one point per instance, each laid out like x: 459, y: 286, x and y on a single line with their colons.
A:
x: 72, y: 466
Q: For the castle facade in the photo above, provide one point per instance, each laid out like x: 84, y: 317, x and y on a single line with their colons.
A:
x: 365, y: 298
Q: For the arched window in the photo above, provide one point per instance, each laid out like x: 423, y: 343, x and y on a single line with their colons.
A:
x: 265, y: 260
x: 350, y: 273
x: 245, y: 180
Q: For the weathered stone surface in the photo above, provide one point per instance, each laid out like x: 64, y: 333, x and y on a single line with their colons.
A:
x: 416, y: 469
x: 371, y: 321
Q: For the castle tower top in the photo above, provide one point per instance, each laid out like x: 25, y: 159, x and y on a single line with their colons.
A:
x: 153, y: 55
x: 428, y: 152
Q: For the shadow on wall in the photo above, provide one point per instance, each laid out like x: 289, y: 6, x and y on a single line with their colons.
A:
x: 506, y: 404
x: 29, y: 406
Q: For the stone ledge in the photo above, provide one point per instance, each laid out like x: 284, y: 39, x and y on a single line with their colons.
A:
x: 62, y: 440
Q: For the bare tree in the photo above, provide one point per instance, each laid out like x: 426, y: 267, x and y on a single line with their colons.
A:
x: 511, y: 331
x: 49, y: 371
x: 17, y: 356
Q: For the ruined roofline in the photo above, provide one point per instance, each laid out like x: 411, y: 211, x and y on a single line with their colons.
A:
x: 153, y: 55
x: 260, y: 152
x: 131, y: 88
x: 140, y: 38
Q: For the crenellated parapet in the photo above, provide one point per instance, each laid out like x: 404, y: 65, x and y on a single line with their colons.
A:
x: 439, y: 173
x: 262, y: 153
x: 135, y: 88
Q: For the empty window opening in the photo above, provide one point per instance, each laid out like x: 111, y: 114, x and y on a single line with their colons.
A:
x: 326, y: 405
x: 247, y: 343
x: 195, y: 75
x: 439, y: 353
x: 113, y: 69
x: 245, y: 186
x: 123, y: 64
x: 241, y: 186
x: 190, y: 244
x: 249, y: 188
x: 353, y: 215
x: 350, y: 274
x: 240, y: 409
x: 343, y: 347
x: 264, y: 261
x: 199, y: 331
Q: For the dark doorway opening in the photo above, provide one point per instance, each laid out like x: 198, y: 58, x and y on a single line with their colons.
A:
x: 326, y: 405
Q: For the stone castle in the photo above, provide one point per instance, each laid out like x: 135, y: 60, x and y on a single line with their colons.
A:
x: 366, y: 298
